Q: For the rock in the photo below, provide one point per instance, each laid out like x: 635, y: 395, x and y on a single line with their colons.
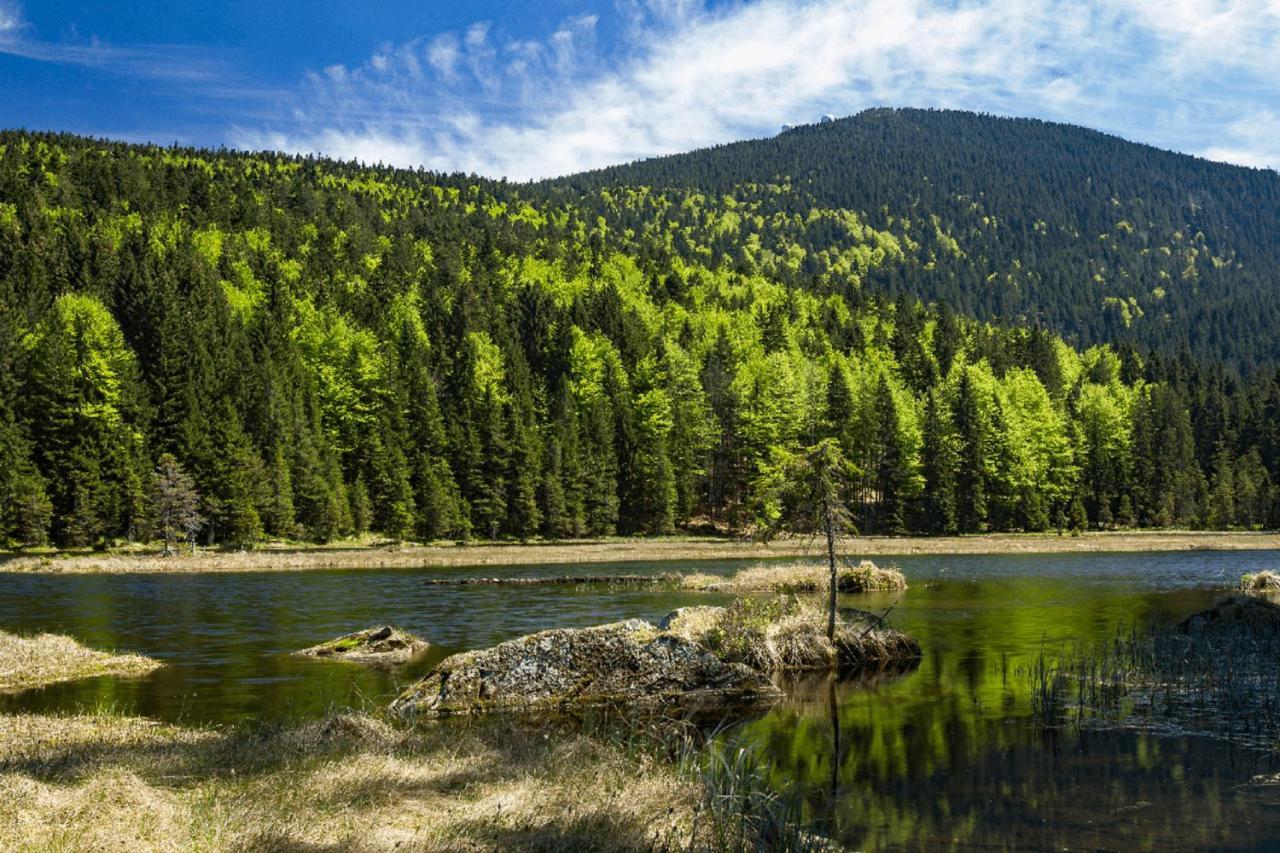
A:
x: 382, y: 646
x: 630, y: 663
x: 1246, y: 613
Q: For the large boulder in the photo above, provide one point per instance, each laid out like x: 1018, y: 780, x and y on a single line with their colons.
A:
x: 631, y: 663
x: 381, y: 646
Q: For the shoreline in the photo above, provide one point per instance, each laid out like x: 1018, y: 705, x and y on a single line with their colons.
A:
x: 276, y: 557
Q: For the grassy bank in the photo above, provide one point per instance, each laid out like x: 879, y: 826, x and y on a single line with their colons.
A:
x: 35, y: 661
x: 372, y: 555
x: 355, y: 782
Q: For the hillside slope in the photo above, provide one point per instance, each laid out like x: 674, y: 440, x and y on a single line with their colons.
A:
x: 325, y: 349
x: 1020, y: 220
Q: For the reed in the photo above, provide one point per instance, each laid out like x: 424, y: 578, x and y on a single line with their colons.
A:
x: 1215, y: 677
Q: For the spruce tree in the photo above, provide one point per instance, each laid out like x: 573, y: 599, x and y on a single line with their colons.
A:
x: 891, y: 471
x: 939, y: 462
x: 972, y: 430
x: 25, y: 509
x: 175, y: 503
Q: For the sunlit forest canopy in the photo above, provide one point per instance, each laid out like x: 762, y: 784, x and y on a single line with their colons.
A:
x: 1016, y: 220
x: 330, y: 349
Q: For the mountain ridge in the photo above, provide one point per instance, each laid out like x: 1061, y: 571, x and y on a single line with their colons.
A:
x: 1082, y: 212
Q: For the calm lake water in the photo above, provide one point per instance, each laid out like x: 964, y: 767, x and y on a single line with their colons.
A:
x: 945, y: 755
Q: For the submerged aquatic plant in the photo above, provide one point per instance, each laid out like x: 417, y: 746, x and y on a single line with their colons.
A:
x: 1216, y: 673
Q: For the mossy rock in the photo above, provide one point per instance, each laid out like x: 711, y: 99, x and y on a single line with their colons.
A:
x: 628, y: 663
x: 380, y: 646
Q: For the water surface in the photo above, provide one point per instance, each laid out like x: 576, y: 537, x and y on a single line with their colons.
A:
x: 943, y: 756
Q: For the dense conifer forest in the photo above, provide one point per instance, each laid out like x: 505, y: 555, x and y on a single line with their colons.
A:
x: 1015, y: 220
x: 319, y: 349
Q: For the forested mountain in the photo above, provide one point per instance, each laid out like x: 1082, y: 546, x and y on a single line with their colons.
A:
x: 1014, y: 220
x: 329, y: 349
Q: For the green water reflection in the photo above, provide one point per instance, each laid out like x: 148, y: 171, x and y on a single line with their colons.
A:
x: 945, y: 755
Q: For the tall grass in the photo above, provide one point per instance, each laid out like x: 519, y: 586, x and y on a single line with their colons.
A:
x: 1223, y: 682
x: 739, y: 809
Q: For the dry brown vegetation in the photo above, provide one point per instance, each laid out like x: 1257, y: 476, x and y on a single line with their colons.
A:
x: 789, y: 634
x: 1262, y: 582
x: 27, y: 662
x: 373, y: 555
x: 349, y: 782
x: 800, y: 577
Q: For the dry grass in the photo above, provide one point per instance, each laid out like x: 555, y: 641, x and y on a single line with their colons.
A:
x: 789, y: 635
x: 371, y: 555
x: 27, y: 662
x: 349, y: 782
x: 1264, y: 582
x: 799, y: 577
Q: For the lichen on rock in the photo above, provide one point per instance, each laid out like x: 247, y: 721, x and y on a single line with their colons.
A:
x: 697, y: 659
x: 631, y: 663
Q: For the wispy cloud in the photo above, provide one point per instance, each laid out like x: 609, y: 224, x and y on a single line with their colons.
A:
x: 175, y: 63
x: 1253, y: 140
x: 1198, y: 75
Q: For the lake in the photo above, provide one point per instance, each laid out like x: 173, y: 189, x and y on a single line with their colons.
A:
x: 945, y: 755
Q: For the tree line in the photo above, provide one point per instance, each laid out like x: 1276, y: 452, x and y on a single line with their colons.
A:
x: 223, y: 347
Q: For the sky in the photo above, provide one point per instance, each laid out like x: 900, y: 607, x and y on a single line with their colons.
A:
x: 537, y: 88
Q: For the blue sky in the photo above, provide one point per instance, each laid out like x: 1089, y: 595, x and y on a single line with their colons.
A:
x: 532, y: 88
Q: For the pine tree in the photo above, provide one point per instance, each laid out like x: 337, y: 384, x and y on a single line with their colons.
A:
x: 278, y: 511
x: 599, y: 469
x: 809, y: 492
x: 891, y: 471
x: 1222, y: 499
x: 361, y: 507
x: 175, y: 503
x: 838, y: 417
x: 490, y: 465
x: 523, y: 474
x: 972, y: 430
x: 25, y: 509
x: 939, y: 462
x: 556, y: 522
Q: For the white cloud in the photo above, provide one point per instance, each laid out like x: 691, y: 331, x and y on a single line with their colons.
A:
x: 684, y: 75
x: 10, y: 19
x: 443, y: 55
x: 1250, y: 141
